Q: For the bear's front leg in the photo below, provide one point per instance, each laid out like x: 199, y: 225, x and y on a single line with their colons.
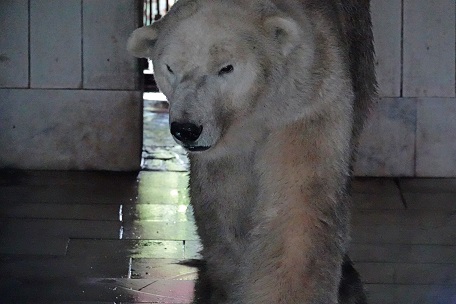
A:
x: 296, y: 248
x: 289, y: 263
x: 219, y: 190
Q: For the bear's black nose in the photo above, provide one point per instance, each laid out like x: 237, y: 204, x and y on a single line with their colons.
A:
x: 186, y: 132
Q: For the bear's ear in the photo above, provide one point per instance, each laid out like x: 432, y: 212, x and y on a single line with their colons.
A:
x: 285, y: 31
x: 142, y: 41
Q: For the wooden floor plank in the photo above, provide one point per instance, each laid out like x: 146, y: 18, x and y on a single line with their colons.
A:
x: 408, y: 273
x: 403, y: 253
x: 157, y: 249
x: 61, y: 231
x: 411, y: 294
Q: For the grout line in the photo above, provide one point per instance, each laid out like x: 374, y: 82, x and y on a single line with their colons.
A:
x: 398, y: 184
x: 140, y: 83
x: 147, y: 285
x: 82, y: 44
x: 29, y: 47
x: 415, y: 152
x: 401, y: 89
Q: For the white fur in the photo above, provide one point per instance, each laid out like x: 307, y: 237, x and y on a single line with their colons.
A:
x: 139, y: 43
x: 268, y: 194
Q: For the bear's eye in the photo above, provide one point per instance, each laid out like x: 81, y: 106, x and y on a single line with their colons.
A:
x: 169, y: 69
x: 226, y: 70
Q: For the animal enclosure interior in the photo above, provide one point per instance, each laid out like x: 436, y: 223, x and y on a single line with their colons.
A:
x: 94, y: 206
x: 94, y: 237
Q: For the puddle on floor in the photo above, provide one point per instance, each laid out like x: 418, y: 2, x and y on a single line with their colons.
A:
x: 160, y: 151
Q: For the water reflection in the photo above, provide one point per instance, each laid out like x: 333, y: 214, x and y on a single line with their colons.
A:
x: 158, y: 227
x: 158, y: 232
x: 160, y: 151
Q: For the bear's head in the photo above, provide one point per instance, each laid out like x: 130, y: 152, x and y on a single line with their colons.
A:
x: 214, y: 59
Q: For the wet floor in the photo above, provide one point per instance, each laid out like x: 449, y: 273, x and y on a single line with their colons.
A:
x: 101, y: 237
x: 160, y: 151
x: 71, y: 236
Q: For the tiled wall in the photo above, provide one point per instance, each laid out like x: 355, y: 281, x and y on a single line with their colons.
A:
x: 412, y: 131
x: 69, y: 92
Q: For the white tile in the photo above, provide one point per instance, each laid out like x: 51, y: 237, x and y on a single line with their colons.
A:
x: 436, y: 137
x: 429, y: 48
x: 387, y: 144
x: 387, y: 27
x: 70, y: 129
x: 55, y: 44
x: 14, y: 43
x: 107, y: 26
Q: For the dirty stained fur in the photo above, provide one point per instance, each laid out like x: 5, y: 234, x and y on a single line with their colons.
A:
x: 269, y: 100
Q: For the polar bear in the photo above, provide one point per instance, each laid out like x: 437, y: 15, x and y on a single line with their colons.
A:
x: 268, y: 97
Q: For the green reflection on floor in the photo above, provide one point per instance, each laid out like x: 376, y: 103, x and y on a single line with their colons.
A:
x: 163, y: 188
x: 163, y: 196
x: 159, y: 213
x: 160, y: 151
x: 168, y: 180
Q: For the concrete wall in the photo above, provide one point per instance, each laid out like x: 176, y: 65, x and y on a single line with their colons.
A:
x: 412, y: 132
x: 69, y: 93
x: 70, y: 98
